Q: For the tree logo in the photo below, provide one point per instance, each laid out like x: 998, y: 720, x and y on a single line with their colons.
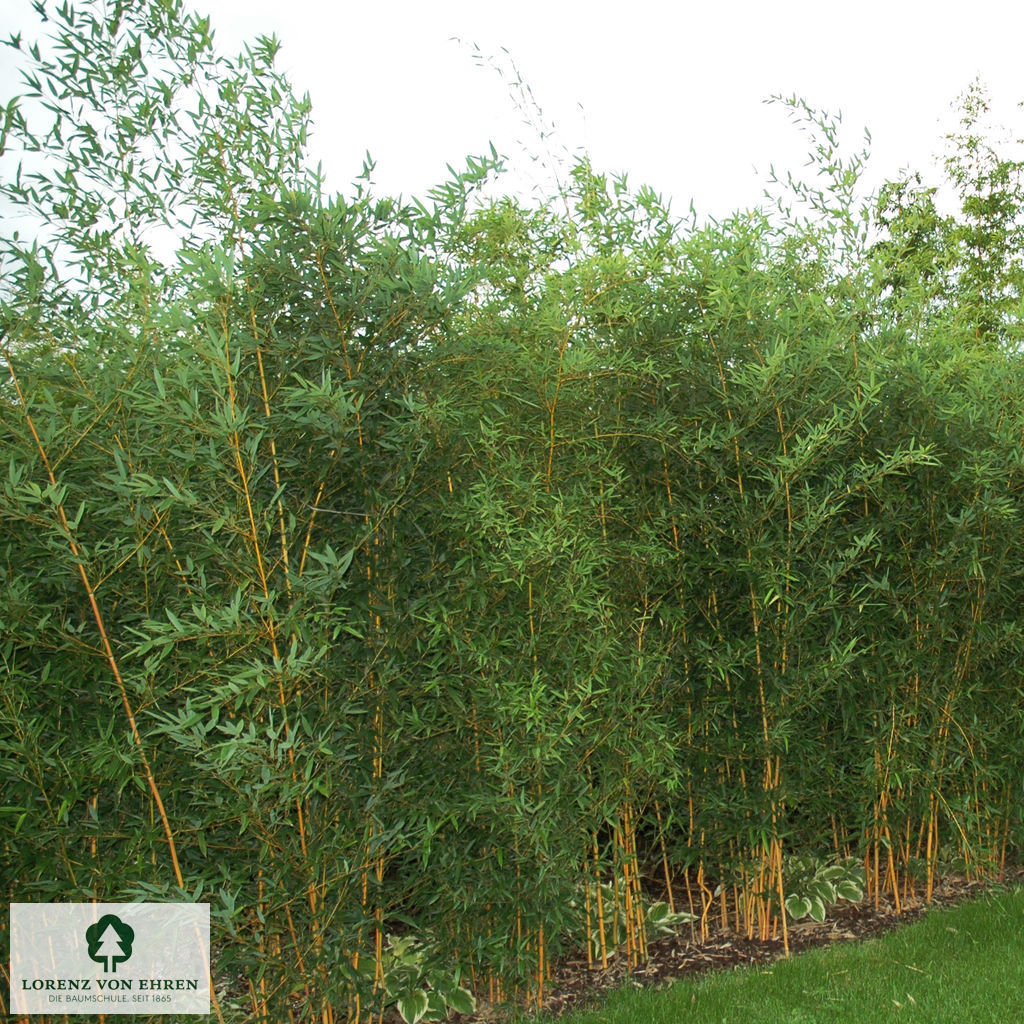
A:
x: 110, y: 942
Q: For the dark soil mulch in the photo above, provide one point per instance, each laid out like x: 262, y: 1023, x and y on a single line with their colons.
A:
x: 573, y: 985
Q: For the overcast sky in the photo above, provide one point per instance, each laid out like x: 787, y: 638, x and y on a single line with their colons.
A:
x: 670, y: 93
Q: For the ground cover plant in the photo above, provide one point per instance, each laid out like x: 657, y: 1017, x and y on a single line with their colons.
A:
x: 440, y: 586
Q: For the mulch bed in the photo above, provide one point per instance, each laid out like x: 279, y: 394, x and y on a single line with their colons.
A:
x: 573, y: 985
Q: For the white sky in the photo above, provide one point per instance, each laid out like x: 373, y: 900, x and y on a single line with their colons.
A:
x: 670, y: 94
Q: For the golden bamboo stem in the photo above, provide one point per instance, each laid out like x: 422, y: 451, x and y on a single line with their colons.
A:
x: 664, y: 858
x: 600, y: 907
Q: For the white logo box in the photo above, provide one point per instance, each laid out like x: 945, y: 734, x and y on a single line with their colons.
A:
x: 142, y: 958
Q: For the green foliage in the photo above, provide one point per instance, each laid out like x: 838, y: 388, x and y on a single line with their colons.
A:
x: 379, y: 568
x: 962, y: 270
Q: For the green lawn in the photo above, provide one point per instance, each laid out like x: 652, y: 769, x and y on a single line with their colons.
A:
x: 960, y: 965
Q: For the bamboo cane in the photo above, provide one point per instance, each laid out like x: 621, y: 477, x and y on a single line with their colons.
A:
x: 600, y: 907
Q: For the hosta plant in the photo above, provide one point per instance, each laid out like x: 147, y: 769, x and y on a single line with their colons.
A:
x: 418, y: 990
x: 812, y: 886
x: 658, y: 917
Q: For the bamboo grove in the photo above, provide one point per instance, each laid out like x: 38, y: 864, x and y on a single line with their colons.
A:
x: 464, y: 576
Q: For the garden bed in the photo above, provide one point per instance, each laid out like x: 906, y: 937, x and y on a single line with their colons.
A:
x: 574, y: 985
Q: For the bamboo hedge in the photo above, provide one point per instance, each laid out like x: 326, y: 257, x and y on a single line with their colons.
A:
x: 434, y: 586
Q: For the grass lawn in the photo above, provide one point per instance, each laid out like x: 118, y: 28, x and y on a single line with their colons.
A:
x: 960, y: 965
